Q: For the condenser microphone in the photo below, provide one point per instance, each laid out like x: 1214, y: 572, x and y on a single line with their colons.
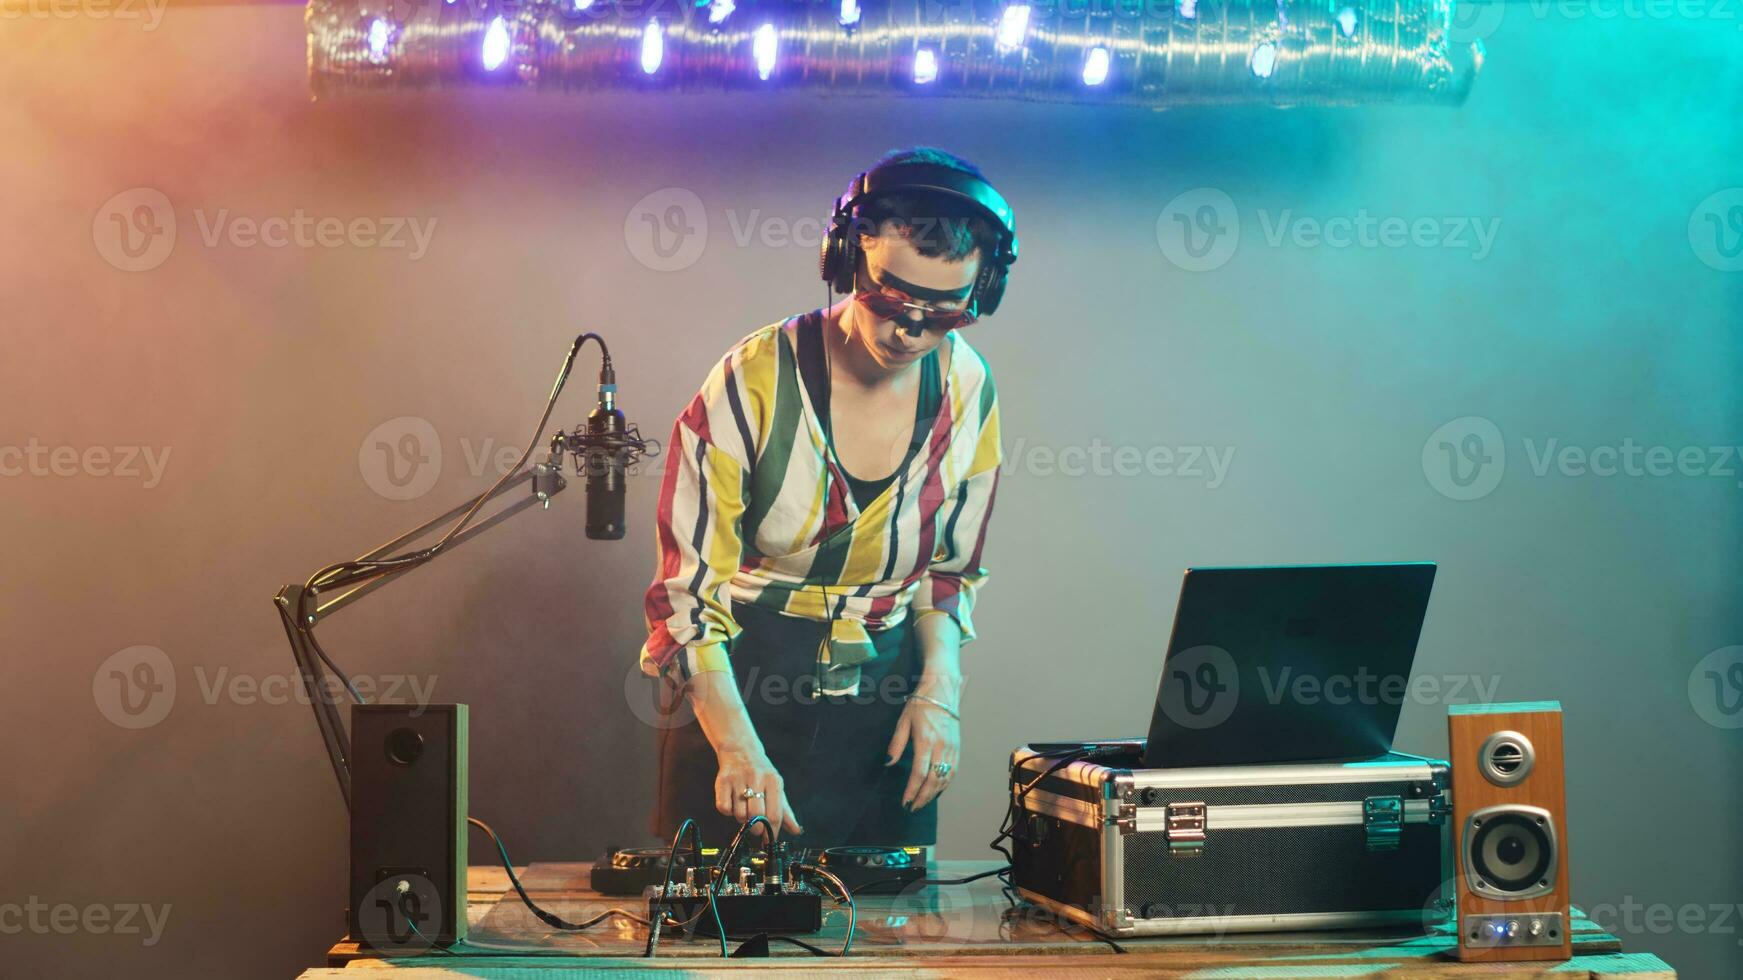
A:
x: 603, y: 458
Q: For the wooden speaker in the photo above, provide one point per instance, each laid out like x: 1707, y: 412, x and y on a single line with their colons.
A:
x: 408, y: 825
x: 1509, y: 801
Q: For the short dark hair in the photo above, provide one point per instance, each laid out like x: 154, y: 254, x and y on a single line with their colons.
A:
x: 936, y: 224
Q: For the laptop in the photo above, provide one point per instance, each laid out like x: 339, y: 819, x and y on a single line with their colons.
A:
x: 1289, y: 663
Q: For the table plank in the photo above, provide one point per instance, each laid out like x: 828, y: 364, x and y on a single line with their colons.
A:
x: 1176, y: 963
x: 946, y: 930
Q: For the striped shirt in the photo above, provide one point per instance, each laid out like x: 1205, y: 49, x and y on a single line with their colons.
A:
x: 754, y: 508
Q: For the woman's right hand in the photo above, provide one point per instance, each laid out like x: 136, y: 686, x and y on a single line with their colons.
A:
x: 750, y: 768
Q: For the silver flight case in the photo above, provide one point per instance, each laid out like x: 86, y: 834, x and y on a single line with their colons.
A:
x: 1130, y: 851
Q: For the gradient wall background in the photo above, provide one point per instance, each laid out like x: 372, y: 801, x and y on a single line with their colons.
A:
x: 257, y: 377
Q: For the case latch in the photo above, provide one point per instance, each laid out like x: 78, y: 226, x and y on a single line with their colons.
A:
x: 1383, y: 822
x: 1439, y: 810
x: 1183, y: 828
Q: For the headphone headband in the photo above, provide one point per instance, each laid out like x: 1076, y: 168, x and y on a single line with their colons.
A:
x: 840, y: 252
x: 941, y: 180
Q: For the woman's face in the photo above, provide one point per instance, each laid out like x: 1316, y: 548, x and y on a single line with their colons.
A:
x: 892, y: 265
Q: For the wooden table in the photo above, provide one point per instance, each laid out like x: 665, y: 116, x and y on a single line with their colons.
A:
x: 955, y: 931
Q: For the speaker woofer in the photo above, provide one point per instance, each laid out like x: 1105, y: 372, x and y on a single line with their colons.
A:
x: 1510, y: 852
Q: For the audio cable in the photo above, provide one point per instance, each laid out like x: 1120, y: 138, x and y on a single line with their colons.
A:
x: 654, y: 927
x: 547, y: 918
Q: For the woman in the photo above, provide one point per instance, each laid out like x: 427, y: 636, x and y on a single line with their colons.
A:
x: 820, y: 530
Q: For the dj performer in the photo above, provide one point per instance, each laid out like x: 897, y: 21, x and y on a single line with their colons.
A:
x: 820, y: 529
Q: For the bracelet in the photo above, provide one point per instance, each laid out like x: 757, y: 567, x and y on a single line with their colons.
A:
x: 936, y: 703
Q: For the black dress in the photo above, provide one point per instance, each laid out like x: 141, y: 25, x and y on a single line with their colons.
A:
x: 831, y: 750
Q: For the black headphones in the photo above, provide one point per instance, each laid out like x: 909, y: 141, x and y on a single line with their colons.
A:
x: 840, y: 254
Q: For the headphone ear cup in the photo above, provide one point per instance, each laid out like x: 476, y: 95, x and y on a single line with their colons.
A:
x: 846, y: 260
x: 825, y: 259
x: 990, y: 290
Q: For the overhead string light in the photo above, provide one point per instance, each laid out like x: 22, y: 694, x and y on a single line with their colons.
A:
x: 1095, y: 66
x: 925, y: 66
x: 653, y: 46
x: 764, y: 48
x: 1296, y: 54
x: 1013, y: 28
x: 380, y: 35
x: 496, y: 43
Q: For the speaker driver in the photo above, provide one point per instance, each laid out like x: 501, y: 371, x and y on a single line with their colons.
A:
x: 1510, y: 852
x: 1506, y: 758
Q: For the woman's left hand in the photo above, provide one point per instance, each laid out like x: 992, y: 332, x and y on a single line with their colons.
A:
x: 936, y: 738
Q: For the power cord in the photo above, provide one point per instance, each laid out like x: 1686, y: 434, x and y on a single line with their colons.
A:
x: 547, y: 918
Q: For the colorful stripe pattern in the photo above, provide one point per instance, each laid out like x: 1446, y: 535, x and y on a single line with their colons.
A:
x: 752, y: 511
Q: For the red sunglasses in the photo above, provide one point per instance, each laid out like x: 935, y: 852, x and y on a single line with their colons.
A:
x: 901, y: 309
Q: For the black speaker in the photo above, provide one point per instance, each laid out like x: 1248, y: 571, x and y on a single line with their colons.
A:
x: 408, y: 825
